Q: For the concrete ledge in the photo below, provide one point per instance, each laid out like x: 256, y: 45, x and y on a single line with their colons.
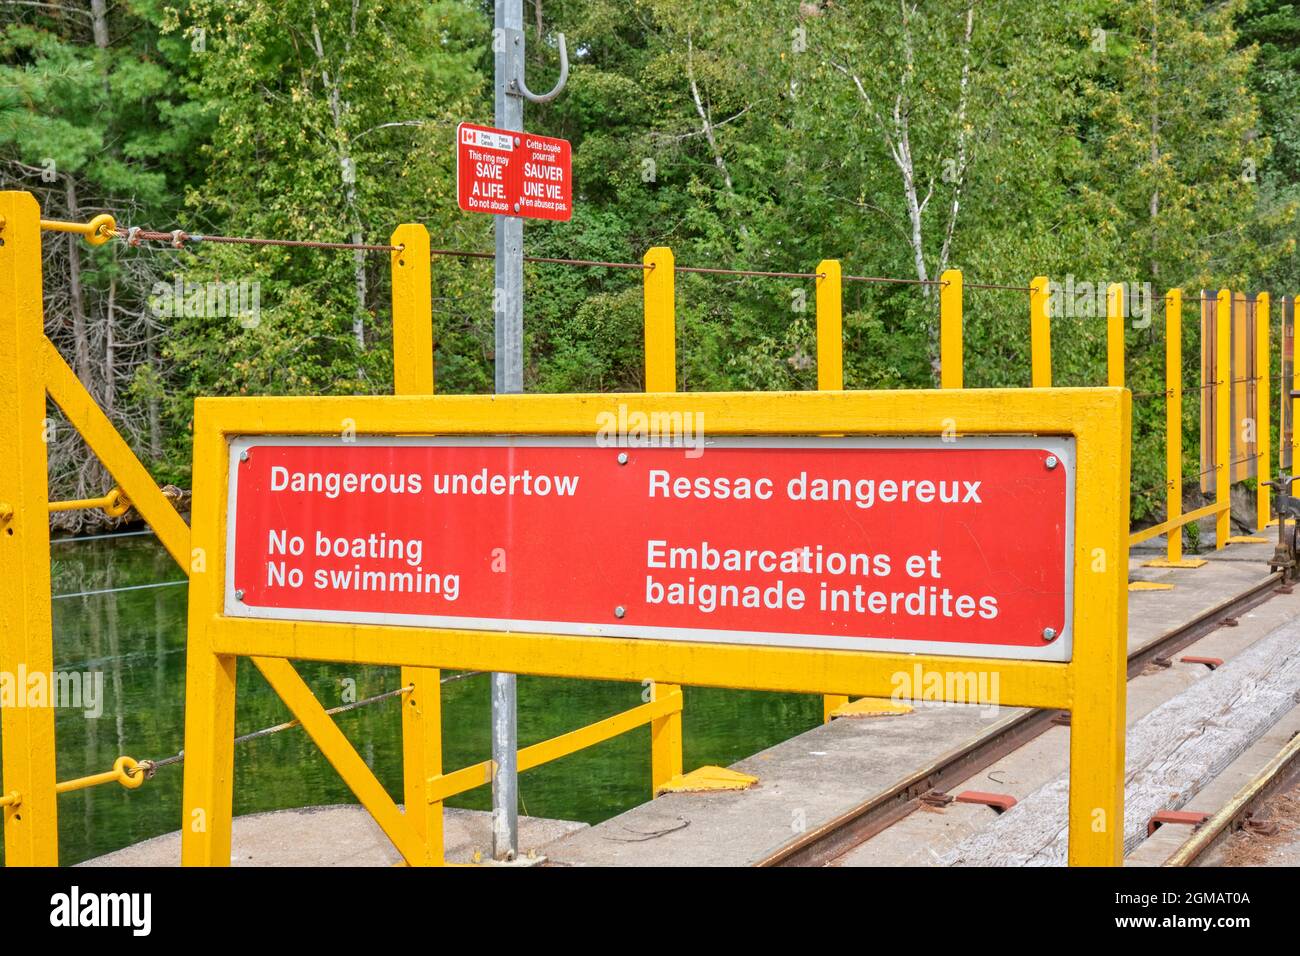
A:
x: 343, y: 835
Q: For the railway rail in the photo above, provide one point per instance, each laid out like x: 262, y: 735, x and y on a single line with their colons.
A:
x: 1277, y: 776
x: 822, y: 845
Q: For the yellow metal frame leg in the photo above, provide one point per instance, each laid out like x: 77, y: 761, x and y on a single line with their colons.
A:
x: 1223, y: 419
x: 665, y: 740
x: 208, y: 790
x: 1040, y: 333
x: 413, y: 374
x: 1264, y: 424
x: 830, y: 378
x: 31, y: 831
x: 1174, y: 437
x: 1097, y: 716
x: 660, y: 302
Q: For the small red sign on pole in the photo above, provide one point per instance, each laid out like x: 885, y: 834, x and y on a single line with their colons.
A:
x: 513, y: 174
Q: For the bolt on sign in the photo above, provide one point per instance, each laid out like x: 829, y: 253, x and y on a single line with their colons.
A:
x: 849, y: 543
x: 802, y: 542
x: 513, y: 174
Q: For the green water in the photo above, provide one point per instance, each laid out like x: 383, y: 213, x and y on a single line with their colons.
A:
x: 137, y: 639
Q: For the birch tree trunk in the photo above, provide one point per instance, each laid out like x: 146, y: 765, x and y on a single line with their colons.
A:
x: 895, y: 131
x: 347, y: 173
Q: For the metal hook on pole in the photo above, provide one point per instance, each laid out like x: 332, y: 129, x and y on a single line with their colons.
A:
x: 520, y: 88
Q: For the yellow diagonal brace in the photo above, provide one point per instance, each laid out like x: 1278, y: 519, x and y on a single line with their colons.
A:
x: 338, y: 750
x: 71, y: 396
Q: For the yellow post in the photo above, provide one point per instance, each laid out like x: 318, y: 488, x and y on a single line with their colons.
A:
x: 830, y: 377
x: 1115, y: 335
x: 208, y: 787
x: 1174, y: 422
x: 1097, y: 721
x: 950, y: 329
x: 413, y: 375
x: 1263, y: 423
x: 660, y: 320
x: 31, y: 831
x: 1295, y: 399
x: 830, y: 374
x: 1223, y: 418
x: 1040, y: 333
x: 830, y: 327
x: 412, y: 311
x: 661, y: 376
x: 1174, y: 436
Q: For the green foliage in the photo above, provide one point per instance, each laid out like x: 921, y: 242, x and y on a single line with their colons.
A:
x: 1107, y: 142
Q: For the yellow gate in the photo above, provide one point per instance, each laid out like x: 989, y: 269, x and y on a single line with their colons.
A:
x: 1091, y: 685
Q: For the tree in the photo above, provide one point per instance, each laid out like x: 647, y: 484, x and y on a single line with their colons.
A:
x: 90, y: 121
x: 332, y: 121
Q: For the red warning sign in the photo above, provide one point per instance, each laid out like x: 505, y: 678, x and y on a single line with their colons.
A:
x: 513, y: 174
x: 907, y: 545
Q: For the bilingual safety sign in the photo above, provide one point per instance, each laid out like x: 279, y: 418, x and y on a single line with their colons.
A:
x: 513, y: 174
x: 911, y: 545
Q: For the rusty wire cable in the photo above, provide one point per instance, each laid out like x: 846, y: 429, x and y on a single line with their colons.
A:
x: 1164, y: 485
x: 703, y: 270
x: 178, y: 238
x: 889, y: 280
x: 149, y: 766
x: 994, y: 285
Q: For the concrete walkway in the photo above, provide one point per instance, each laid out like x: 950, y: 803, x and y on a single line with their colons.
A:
x: 813, y: 778
x: 344, y: 835
x: 803, y: 782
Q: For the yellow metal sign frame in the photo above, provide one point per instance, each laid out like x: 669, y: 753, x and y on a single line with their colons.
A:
x: 1091, y: 686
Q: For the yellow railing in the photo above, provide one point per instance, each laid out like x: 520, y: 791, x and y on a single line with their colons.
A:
x: 476, y: 775
x: 31, y: 367
x: 126, y: 771
x: 114, y: 504
x: 1090, y: 685
x: 951, y: 361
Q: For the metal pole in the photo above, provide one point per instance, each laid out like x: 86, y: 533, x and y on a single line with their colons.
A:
x: 508, y: 304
